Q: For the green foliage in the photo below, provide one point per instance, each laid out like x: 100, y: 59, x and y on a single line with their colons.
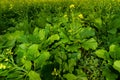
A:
x: 90, y: 44
x: 60, y: 40
x: 116, y: 65
x: 33, y: 75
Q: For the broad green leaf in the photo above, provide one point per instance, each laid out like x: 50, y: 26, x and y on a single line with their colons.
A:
x: 114, y: 51
x: 101, y: 53
x: 113, y: 48
x: 54, y: 37
x: 51, y: 39
x: 90, y: 44
x: 32, y: 52
x: 87, y: 32
x: 15, y: 35
x: 64, y: 37
x: 15, y: 75
x: 76, y: 56
x: 28, y: 65
x: 36, y: 31
x: 34, y: 76
x: 10, y: 43
x: 115, y: 23
x: 21, y: 50
x: 109, y: 75
x: 113, y: 31
x: 70, y: 76
x: 24, y: 46
x: 73, y: 47
x: 98, y: 23
x: 41, y: 34
x: 81, y: 75
x: 42, y: 58
x: 71, y: 64
x: 116, y: 65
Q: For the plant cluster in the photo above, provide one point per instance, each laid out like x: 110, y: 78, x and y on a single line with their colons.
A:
x: 75, y: 40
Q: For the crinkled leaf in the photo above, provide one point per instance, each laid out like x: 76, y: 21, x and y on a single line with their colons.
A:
x: 87, y: 32
x: 71, y: 64
x: 75, y: 56
x: 116, y: 65
x: 10, y: 43
x: 15, y: 75
x: 28, y: 65
x: 90, y: 44
x: 112, y: 31
x: 41, y: 59
x: 34, y: 76
x: 42, y: 34
x: 73, y: 47
x: 114, y: 48
x: 101, y: 53
x: 98, y: 23
x: 51, y: 39
x: 70, y: 76
x: 114, y: 51
x: 115, y: 23
x: 81, y: 75
x: 32, y: 52
x: 15, y: 35
x: 109, y: 75
x: 36, y: 31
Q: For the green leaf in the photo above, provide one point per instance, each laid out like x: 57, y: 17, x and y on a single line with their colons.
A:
x: 42, y: 34
x: 51, y: 39
x: 86, y: 32
x: 34, y: 76
x: 36, y: 31
x: 15, y: 35
x: 113, y: 48
x: 101, y: 53
x: 114, y: 51
x: 41, y: 59
x: 76, y: 56
x: 72, y: 48
x: 15, y: 75
x: 28, y: 65
x: 81, y: 75
x: 71, y: 64
x: 113, y: 31
x: 10, y: 43
x: 115, y: 23
x: 70, y: 76
x: 98, y: 23
x: 32, y: 52
x: 116, y: 65
x: 90, y: 44
x: 109, y: 75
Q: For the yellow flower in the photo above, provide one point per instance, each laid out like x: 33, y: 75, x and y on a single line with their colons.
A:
x: 65, y: 15
x: 2, y: 66
x: 70, y: 31
x: 72, y: 6
x: 81, y: 16
x: 54, y: 72
x: 11, y: 6
x: 6, y: 59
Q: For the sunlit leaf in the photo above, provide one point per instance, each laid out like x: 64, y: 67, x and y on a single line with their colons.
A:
x: 32, y: 52
x: 101, y: 53
x: 42, y: 58
x: 70, y: 76
x: 34, y: 76
x: 90, y: 44
x: 116, y: 65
